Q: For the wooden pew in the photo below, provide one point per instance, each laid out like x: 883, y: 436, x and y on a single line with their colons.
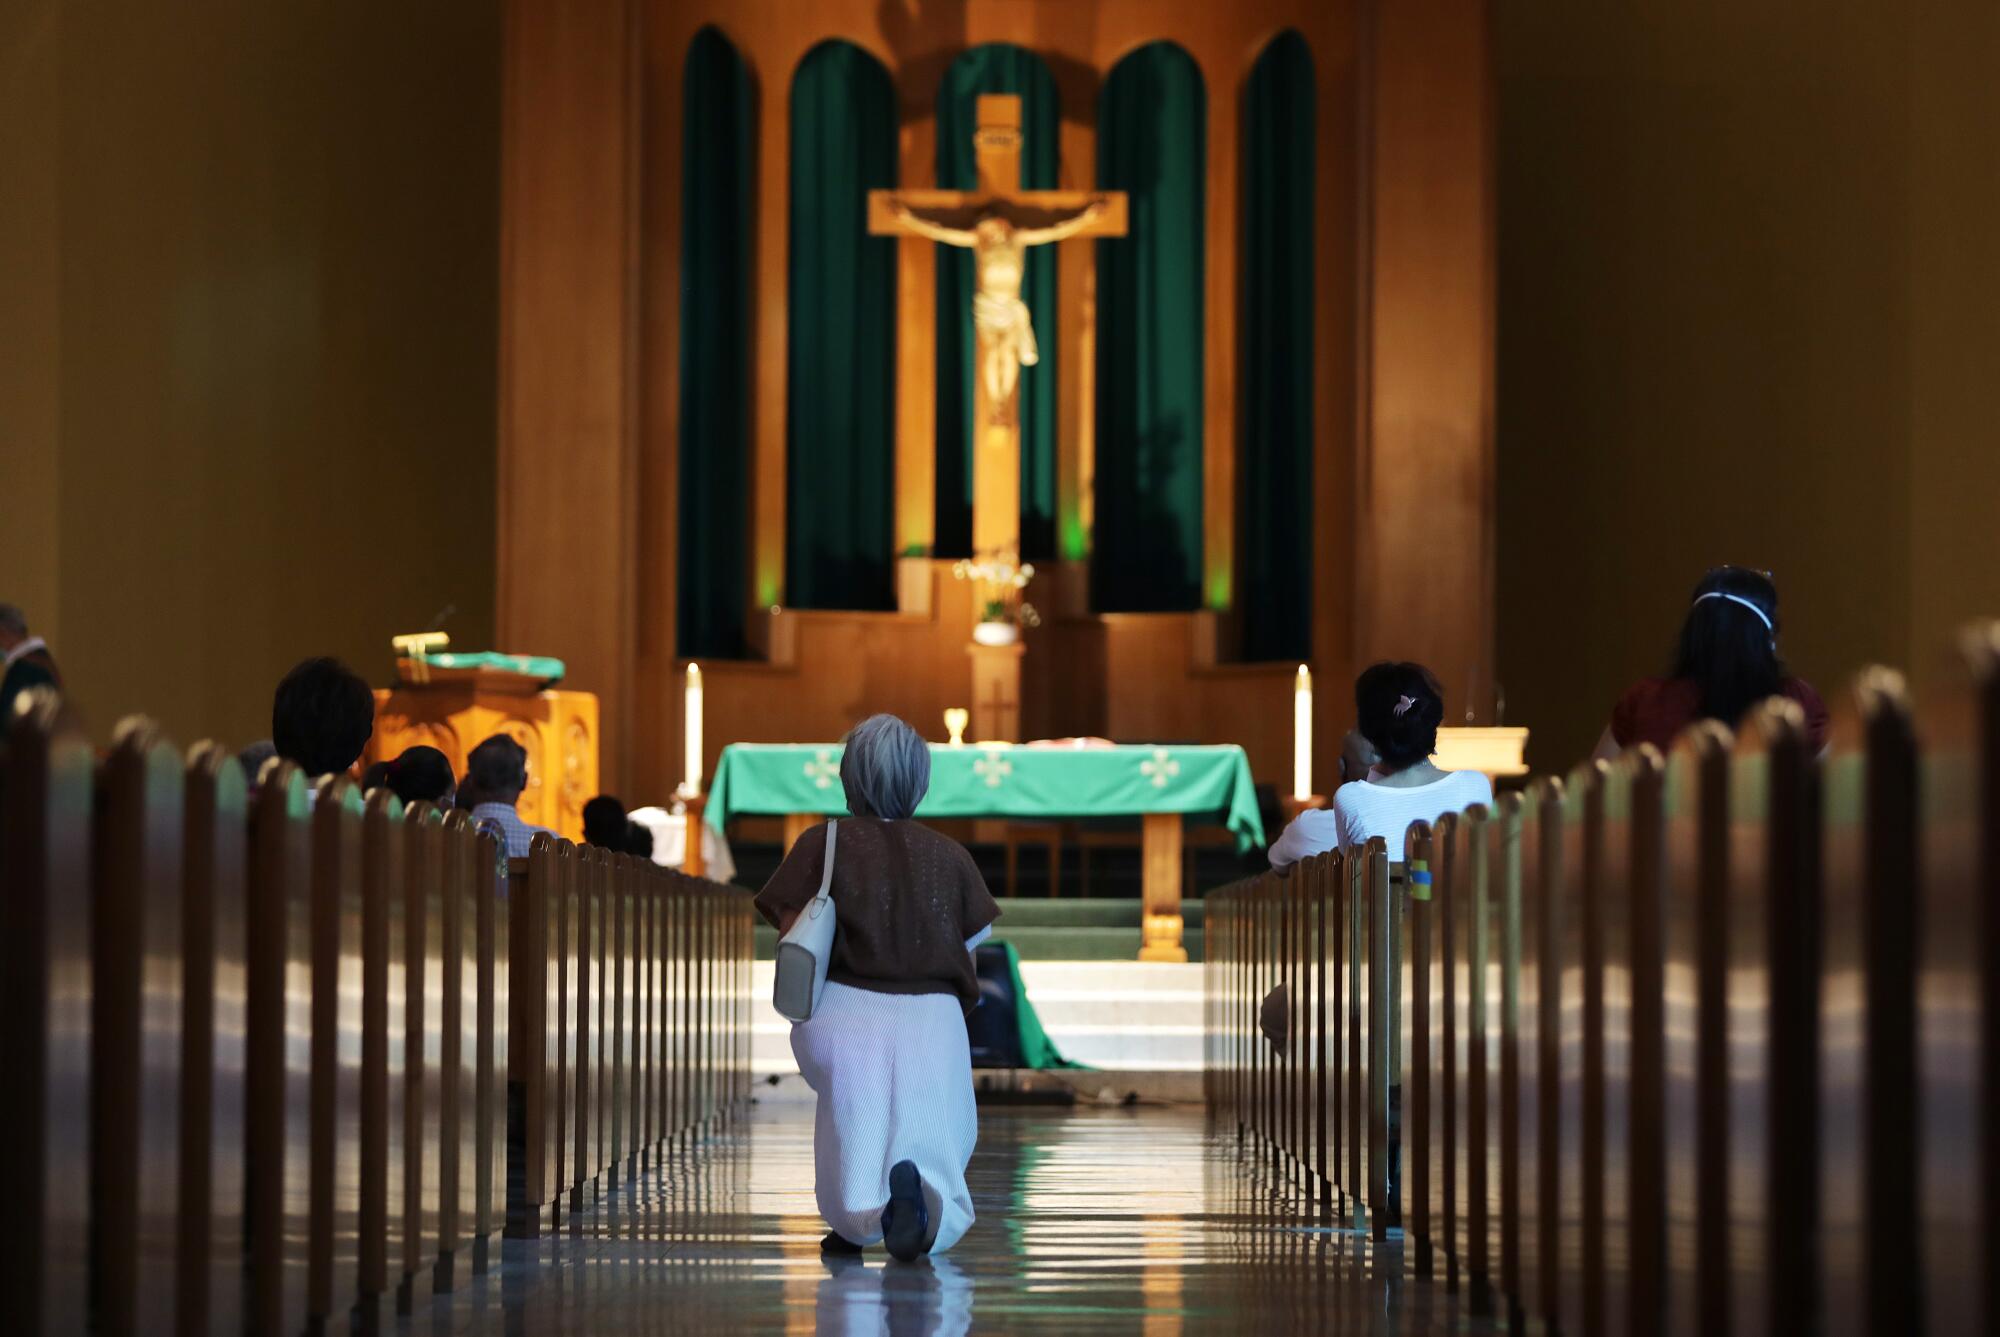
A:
x: 1383, y: 1072
x: 1634, y: 852
x: 1691, y: 1031
x: 278, y: 1032
x: 1868, y: 1266
x: 1485, y: 847
x: 136, y: 1012
x: 423, y: 1050
x: 1465, y: 865
x: 1771, y: 1022
x: 1958, y: 999
x: 1354, y: 1010
x: 492, y: 942
x: 45, y: 1016
x: 1581, y: 965
x: 1421, y: 1043
x: 384, y: 1053
x: 1527, y: 1060
x: 259, y: 1042
x: 334, y: 1221
x: 1322, y: 879
x: 214, y: 943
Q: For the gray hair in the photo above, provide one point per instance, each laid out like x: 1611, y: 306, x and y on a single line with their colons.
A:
x: 12, y: 618
x: 885, y: 769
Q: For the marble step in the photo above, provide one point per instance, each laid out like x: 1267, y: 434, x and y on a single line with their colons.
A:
x: 1112, y: 1015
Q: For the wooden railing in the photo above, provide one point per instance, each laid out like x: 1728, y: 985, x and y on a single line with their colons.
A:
x: 262, y: 1045
x: 1706, y: 1043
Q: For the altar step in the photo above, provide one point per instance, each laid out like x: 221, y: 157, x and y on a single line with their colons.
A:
x: 1093, y: 929
x: 1122, y: 1016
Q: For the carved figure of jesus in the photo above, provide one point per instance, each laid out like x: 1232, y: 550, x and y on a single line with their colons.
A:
x: 999, y: 316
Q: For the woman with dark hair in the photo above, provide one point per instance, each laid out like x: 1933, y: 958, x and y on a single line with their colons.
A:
x: 1727, y: 662
x: 886, y: 1050
x: 1398, y: 708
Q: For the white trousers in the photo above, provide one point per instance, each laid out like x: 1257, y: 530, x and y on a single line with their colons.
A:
x: 893, y: 1073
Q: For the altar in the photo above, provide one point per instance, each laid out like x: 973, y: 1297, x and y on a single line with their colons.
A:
x: 1164, y: 786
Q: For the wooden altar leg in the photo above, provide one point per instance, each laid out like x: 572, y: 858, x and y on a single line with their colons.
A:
x: 693, y: 862
x: 1160, y: 856
x: 796, y: 825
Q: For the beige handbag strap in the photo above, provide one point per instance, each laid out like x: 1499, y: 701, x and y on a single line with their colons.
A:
x: 825, y: 896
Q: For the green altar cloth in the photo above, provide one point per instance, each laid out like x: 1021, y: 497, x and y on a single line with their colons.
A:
x: 1019, y: 782
x: 1037, y: 1049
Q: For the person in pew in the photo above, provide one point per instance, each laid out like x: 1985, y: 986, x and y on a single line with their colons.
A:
x: 419, y: 774
x: 252, y: 759
x: 886, y: 1050
x: 605, y: 824
x: 498, y: 771
x: 1727, y: 662
x: 1398, y: 708
x: 29, y: 663
x: 322, y: 717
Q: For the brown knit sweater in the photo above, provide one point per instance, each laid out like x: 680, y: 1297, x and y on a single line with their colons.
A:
x: 905, y: 899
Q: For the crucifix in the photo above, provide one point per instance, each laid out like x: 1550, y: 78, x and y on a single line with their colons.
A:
x: 998, y: 222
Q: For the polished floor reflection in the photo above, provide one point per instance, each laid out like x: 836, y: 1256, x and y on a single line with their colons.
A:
x: 1102, y: 1221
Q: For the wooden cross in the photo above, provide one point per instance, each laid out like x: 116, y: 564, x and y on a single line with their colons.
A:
x: 998, y: 221
x: 999, y: 709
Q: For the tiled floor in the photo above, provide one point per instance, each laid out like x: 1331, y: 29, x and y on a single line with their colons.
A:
x: 1102, y: 1221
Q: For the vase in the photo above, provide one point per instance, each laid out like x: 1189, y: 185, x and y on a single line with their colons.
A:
x: 996, y: 633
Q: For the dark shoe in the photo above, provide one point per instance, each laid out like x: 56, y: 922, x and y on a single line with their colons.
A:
x: 906, y: 1222
x: 837, y: 1245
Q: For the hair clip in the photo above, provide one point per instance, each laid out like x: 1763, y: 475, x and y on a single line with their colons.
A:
x: 1403, y: 704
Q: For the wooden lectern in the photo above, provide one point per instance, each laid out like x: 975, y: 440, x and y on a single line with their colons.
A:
x: 455, y: 708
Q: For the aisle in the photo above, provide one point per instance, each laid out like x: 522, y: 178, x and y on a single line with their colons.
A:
x: 1102, y: 1221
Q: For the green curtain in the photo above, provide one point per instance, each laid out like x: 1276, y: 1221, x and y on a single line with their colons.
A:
x: 997, y: 67
x: 840, y: 432
x: 1152, y: 143
x: 1274, y: 501
x: 717, y: 138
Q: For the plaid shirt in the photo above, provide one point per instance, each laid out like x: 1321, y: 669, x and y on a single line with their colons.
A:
x: 502, y: 818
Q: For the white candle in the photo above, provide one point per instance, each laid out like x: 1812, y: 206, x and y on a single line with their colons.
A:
x: 1302, y: 735
x: 692, y: 784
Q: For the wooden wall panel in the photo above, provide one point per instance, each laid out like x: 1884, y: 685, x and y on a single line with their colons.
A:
x: 568, y: 373
x: 1423, y: 564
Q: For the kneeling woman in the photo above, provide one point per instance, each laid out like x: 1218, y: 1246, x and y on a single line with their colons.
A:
x: 886, y: 1049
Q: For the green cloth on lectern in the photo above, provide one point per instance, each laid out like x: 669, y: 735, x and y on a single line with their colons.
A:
x: 1037, y: 1050
x: 1020, y: 782
x: 528, y: 666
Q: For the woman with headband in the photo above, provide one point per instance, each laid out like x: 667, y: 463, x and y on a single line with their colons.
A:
x: 1727, y: 662
x: 1397, y: 708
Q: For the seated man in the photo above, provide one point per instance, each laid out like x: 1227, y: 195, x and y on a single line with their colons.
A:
x: 322, y: 717
x: 497, y: 770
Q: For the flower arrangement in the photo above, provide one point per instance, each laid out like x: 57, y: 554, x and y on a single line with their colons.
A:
x: 999, y: 578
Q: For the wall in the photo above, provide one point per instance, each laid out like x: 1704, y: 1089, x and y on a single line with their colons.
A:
x: 1747, y: 305
x: 247, y: 340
